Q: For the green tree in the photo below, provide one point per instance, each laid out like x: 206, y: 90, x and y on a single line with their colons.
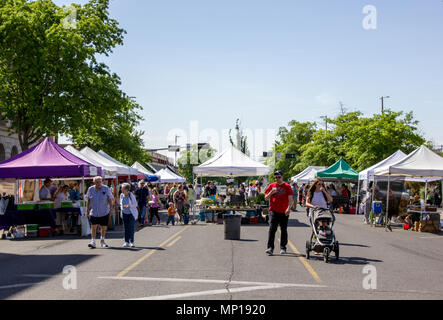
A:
x: 51, y: 81
x: 195, y: 156
x: 362, y: 141
x: 119, y: 137
x: 291, y: 141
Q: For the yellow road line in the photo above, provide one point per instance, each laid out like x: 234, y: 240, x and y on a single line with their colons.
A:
x: 150, y: 253
x: 174, y: 241
x: 305, y: 263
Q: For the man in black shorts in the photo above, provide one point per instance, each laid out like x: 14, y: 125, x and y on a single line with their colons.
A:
x: 99, y: 205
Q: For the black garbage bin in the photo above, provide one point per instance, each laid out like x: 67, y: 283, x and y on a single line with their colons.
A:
x: 232, y: 224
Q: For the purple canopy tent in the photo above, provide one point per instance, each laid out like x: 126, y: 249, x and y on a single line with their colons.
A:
x: 47, y: 159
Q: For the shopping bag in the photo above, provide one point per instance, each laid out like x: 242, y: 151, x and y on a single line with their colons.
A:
x: 86, y: 228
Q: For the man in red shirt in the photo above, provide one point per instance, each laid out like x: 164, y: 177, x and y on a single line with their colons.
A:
x: 280, y: 193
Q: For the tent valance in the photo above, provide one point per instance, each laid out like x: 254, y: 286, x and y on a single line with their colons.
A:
x: 307, y: 175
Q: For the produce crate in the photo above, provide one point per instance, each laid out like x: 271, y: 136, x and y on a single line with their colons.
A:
x: 26, y: 206
x: 66, y: 204
x: 46, y: 205
x: 44, y: 231
x: 31, y: 234
x: 253, y: 219
x: 31, y: 227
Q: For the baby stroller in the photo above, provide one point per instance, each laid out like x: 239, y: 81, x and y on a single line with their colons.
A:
x: 322, y: 237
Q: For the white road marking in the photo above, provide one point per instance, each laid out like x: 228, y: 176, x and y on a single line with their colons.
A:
x: 207, y: 293
x: 214, y: 281
x: 12, y: 286
x: 40, y: 275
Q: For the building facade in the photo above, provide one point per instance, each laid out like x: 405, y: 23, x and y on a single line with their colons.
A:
x: 9, y: 144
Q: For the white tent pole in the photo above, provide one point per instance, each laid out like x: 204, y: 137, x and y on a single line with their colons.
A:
x: 387, y: 202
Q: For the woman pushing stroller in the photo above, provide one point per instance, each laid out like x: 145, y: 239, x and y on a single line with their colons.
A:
x: 322, y: 220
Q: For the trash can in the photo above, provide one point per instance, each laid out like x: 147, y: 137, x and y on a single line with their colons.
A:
x: 232, y: 226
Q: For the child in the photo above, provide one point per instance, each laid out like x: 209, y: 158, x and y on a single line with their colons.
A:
x: 171, y: 214
x: 323, y: 228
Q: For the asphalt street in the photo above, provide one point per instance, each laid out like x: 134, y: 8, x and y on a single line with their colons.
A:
x: 194, y: 262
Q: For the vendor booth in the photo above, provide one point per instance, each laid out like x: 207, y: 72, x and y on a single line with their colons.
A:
x: 167, y: 176
x: 44, y: 160
x: 423, y: 164
x: 307, y: 175
x: 230, y: 163
x: 145, y: 174
x: 340, y: 171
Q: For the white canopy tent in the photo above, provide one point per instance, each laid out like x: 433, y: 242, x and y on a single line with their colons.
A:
x: 105, y: 162
x: 130, y: 170
x: 231, y: 163
x: 422, y: 163
x: 167, y: 176
x: 138, y: 166
x: 307, y: 175
x: 107, y: 171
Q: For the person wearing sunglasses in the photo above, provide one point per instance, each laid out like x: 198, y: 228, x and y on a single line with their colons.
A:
x: 280, y: 195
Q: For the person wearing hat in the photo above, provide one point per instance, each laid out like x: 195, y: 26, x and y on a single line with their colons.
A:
x: 280, y: 195
x: 45, y: 193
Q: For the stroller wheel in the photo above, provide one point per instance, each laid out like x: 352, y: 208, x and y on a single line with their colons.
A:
x: 326, y: 255
x: 308, y: 249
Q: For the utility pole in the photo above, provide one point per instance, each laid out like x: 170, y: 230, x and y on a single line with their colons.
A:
x: 175, y: 161
x: 342, y: 109
x: 326, y: 122
x: 382, y: 103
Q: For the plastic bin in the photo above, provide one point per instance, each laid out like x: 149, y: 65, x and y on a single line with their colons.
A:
x: 46, y: 205
x: 26, y: 206
x: 66, y: 204
x: 44, y: 231
x: 377, y: 207
x: 232, y: 226
x: 202, y: 215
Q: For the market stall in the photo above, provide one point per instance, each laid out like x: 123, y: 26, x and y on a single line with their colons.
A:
x: 231, y: 163
x: 342, y: 172
x: 424, y: 164
x: 44, y: 160
x: 307, y: 175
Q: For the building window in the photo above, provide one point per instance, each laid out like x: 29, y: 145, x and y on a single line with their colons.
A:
x: 14, y: 151
x: 2, y: 153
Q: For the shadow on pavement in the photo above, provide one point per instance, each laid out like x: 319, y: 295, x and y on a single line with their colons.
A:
x: 353, y: 245
x: 21, y: 272
x: 349, y: 260
x: 246, y: 240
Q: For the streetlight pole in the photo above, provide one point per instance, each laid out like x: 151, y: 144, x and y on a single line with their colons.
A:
x: 382, y: 103
x: 175, y: 161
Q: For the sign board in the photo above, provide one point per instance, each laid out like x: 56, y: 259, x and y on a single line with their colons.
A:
x: 92, y: 171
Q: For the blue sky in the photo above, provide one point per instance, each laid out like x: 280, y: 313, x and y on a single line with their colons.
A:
x: 269, y: 62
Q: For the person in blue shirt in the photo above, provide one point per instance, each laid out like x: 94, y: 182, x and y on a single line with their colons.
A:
x: 74, y: 195
x: 142, y: 194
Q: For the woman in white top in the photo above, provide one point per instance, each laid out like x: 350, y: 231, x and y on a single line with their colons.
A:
x: 317, y: 196
x: 129, y: 213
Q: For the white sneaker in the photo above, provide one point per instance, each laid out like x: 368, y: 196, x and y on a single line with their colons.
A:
x: 131, y: 244
x: 103, y: 243
x: 125, y: 244
x: 92, y: 244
